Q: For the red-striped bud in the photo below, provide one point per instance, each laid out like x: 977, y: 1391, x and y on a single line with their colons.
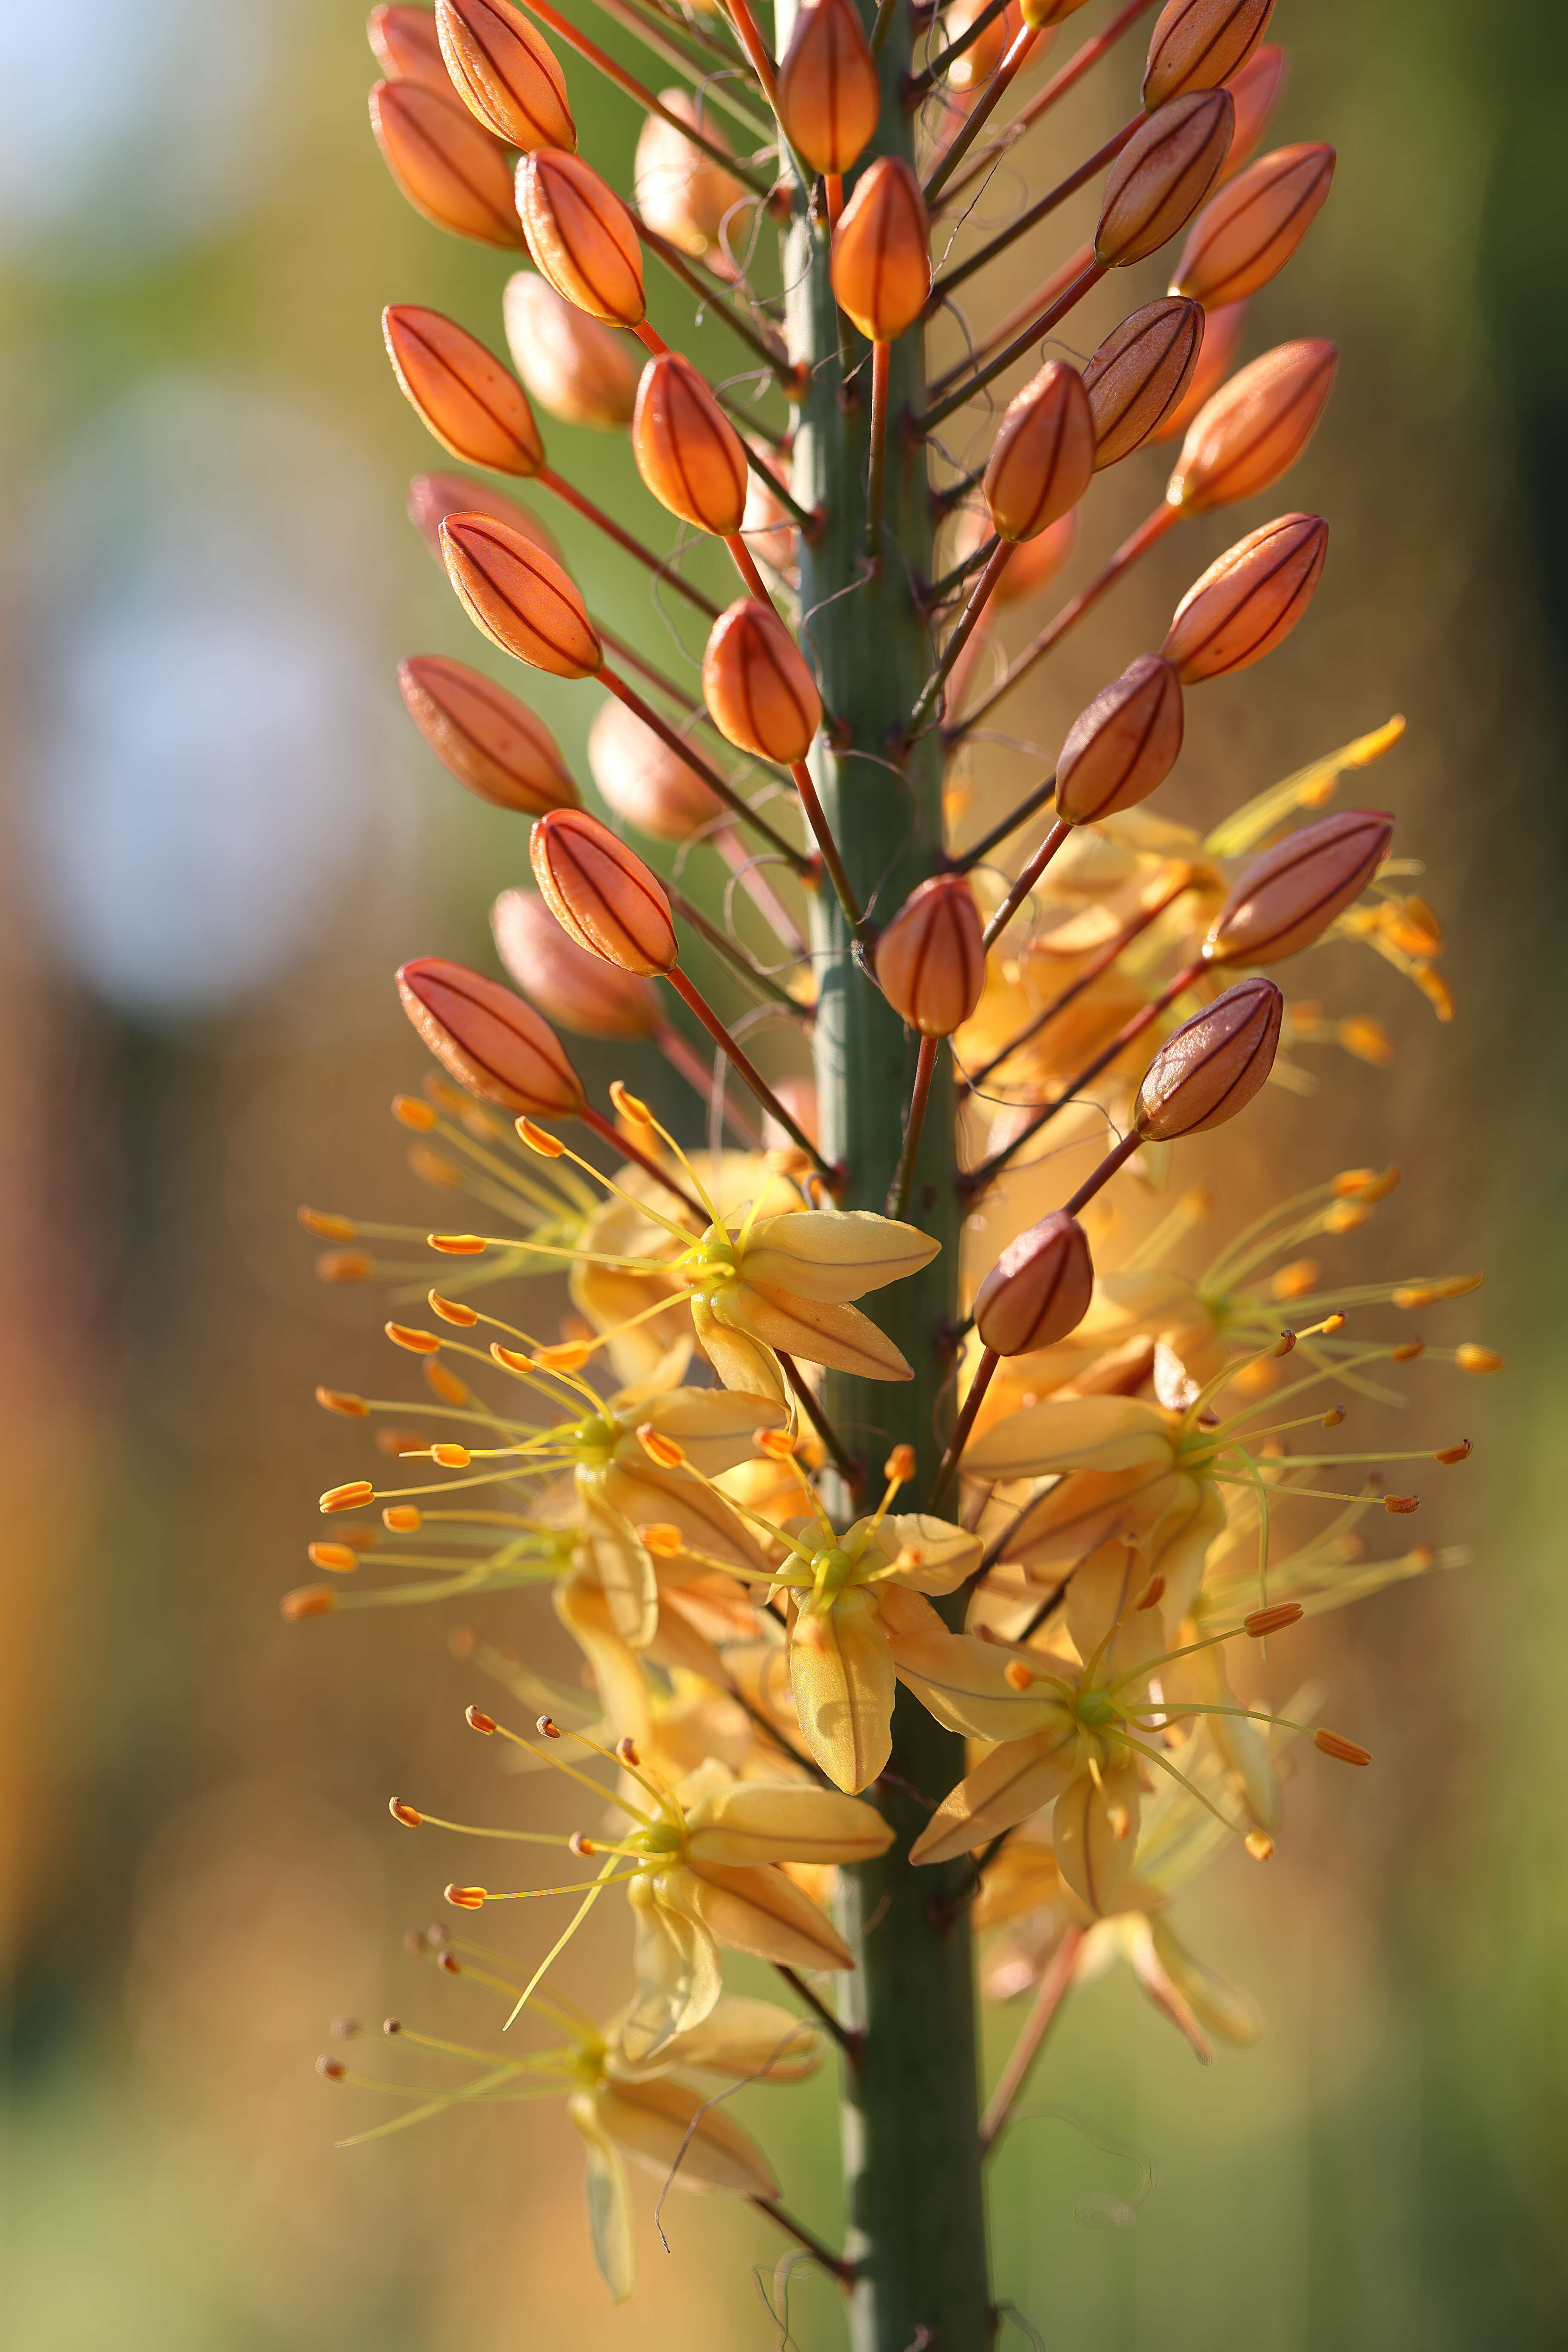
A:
x: 1288, y: 897
x: 462, y: 393
x: 505, y: 72
x: 1163, y: 175
x: 1123, y: 746
x: 485, y: 737
x: 1222, y: 340
x: 523, y: 600
x: 581, y: 235
x: 762, y: 695
x: 448, y: 167
x: 830, y: 94
x: 1248, y: 600
x: 931, y: 960
x: 1249, y: 233
x: 1198, y: 44
x: 687, y: 452
x: 642, y: 779
x: 881, y: 263
x: 1256, y: 89
x: 1255, y: 428
x: 1138, y: 374
x: 578, y: 991
x: 681, y: 191
x: 578, y: 370
x: 488, y: 1040
x: 600, y: 893
x: 1211, y: 1067
x: 1038, y: 1290
x: 404, y: 43
x: 1042, y: 459
x: 433, y: 497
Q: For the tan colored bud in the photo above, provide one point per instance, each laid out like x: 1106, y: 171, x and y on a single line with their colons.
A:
x: 523, y: 600
x: 449, y: 170
x: 578, y: 991
x: 433, y: 497
x: 488, y: 1040
x: 881, y: 264
x: 1163, y: 175
x: 473, y: 405
x: 687, y: 452
x: 1288, y: 896
x: 1138, y: 374
x: 600, y: 893
x: 505, y: 72
x: 931, y: 960
x: 1255, y: 428
x: 642, y: 779
x: 1038, y: 1290
x: 1222, y: 340
x: 1198, y: 44
x: 761, y: 697
x: 1249, y: 233
x: 404, y: 43
x: 1248, y: 600
x: 1042, y: 459
x: 582, y: 237
x: 830, y: 94
x: 485, y: 737
x: 681, y: 191
x: 1256, y: 89
x: 1123, y: 746
x: 575, y: 368
x: 1212, y: 1065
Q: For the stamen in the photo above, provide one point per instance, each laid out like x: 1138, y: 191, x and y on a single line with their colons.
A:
x: 1343, y: 1751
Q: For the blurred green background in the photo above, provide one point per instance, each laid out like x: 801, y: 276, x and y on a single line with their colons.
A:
x: 219, y: 835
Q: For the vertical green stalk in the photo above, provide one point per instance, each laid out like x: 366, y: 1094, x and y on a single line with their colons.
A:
x: 917, y: 2230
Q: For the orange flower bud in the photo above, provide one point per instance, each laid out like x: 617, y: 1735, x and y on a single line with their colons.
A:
x: 1289, y: 895
x: 1253, y: 226
x: 579, y: 990
x: 505, y: 72
x: 642, y: 779
x: 404, y: 46
x: 1125, y: 745
x: 880, y: 264
x: 485, y: 737
x: 523, y: 600
x: 474, y: 405
x: 1163, y: 175
x: 1034, y: 563
x: 1255, y: 428
x: 449, y: 170
x: 830, y: 94
x: 487, y: 1039
x: 1212, y: 1065
x: 756, y: 685
x: 978, y: 62
x: 575, y: 368
x: 1248, y: 600
x: 681, y: 191
x: 931, y: 960
x: 767, y: 526
x: 1256, y: 89
x: 1138, y: 374
x: 1221, y: 341
x: 687, y: 452
x: 600, y: 893
x: 1039, y: 1288
x: 433, y: 497
x: 581, y: 235
x: 1198, y: 44
x: 1042, y: 459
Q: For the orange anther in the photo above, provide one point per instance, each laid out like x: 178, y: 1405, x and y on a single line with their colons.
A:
x: 1283, y: 1345
x: 353, y: 1408
x: 1263, y: 1622
x: 341, y: 1558
x: 418, y: 1343
x: 467, y: 1898
x: 629, y: 1105
x: 1471, y: 1357
x: 1258, y: 1845
x: 409, y: 1111
x: 547, y: 1727
x: 1020, y: 1675
x: 331, y: 2070
x: 1402, y: 1504
x: 1408, y: 1353
x: 403, y: 1813
x: 452, y: 1310
x: 477, y: 1720
x: 776, y: 1444
x: 538, y: 1140
x: 1153, y: 1592
x: 451, y: 1457
x: 350, y: 1497
x: 344, y: 1266
x: 309, y: 1601
x: 665, y: 1542
x: 445, y: 1385
x: 329, y: 1228
x: 457, y: 1245
x: 900, y: 1464
x: 1460, y: 1453
x: 660, y: 1449
x: 402, y: 1518
x: 625, y: 1749
x: 1343, y: 1751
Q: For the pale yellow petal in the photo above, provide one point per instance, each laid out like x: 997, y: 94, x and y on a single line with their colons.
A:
x: 1094, y: 1433
x: 676, y: 1963
x: 1223, y: 2007
x: 583, y: 1607
x: 960, y: 1680
x: 1241, y: 1747
x: 714, y: 1426
x: 1147, y: 1300
x: 751, y: 2040
x: 608, y: 1547
x: 761, y: 1912
x: 1160, y: 1986
x: 834, y: 1254
x: 949, y: 1555
x: 609, y: 2199
x: 1103, y: 1617
x: 1095, y: 1830
x: 1087, y: 1508
x: 744, y: 1822
x: 841, y: 1671
x: 817, y: 1330
x: 741, y: 1363
x: 646, y: 1495
x: 674, y: 2131
x: 1014, y: 1781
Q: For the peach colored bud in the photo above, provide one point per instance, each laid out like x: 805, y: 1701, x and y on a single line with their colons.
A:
x: 449, y: 170
x: 474, y: 405
x: 642, y: 779
x: 1042, y: 459
x: 1039, y: 1288
x: 1221, y: 341
x: 1163, y: 175
x: 687, y: 452
x: 1212, y: 1065
x: 1253, y: 226
x: 600, y: 893
x: 1198, y: 44
x: 1256, y: 89
x: 1248, y: 600
x: 1289, y: 895
x: 931, y: 960
x: 404, y: 46
x: 1034, y: 563
x: 433, y: 497
x: 578, y: 991
x: 1255, y: 428
x: 487, y: 1039
x: 681, y: 191
x: 485, y: 737
x: 1123, y: 746
x: 523, y: 600
x: 578, y: 370
x: 581, y: 235
x: 830, y: 94
x: 756, y: 685
x: 1138, y: 374
x: 881, y: 264
x: 505, y: 72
